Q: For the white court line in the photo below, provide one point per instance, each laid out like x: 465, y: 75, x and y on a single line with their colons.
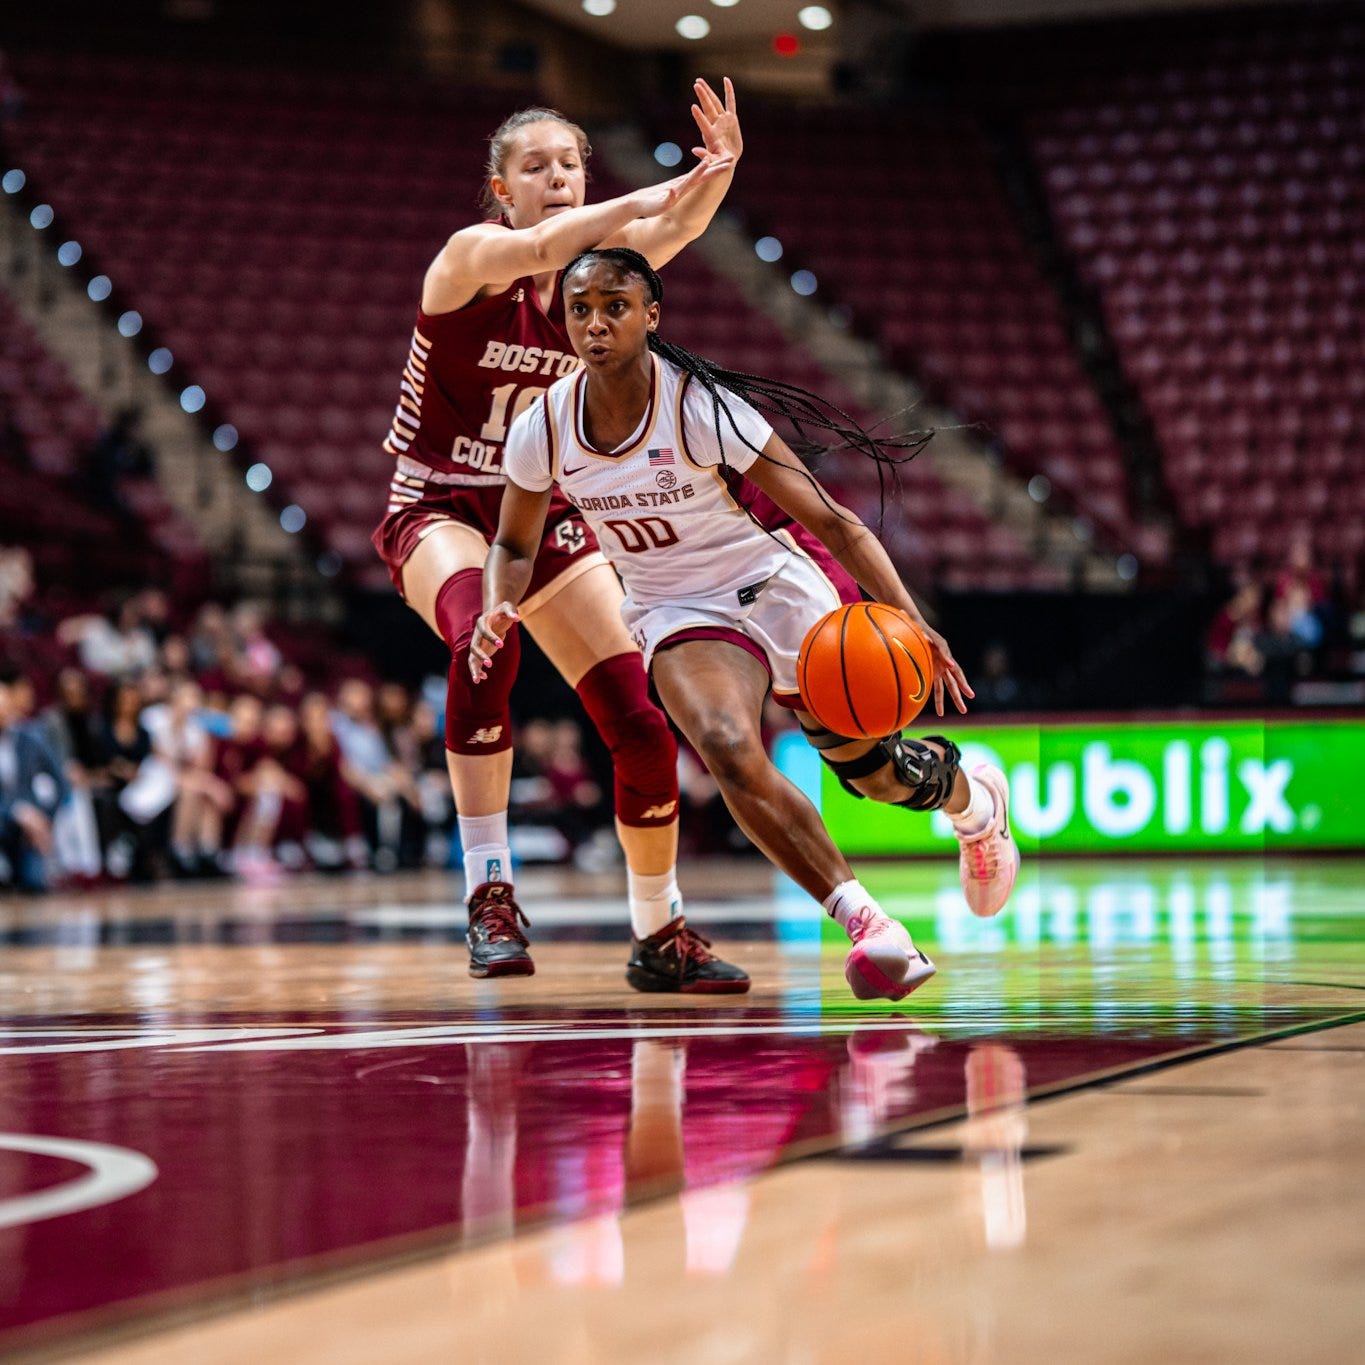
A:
x: 574, y: 912
x: 115, y: 1173
x: 116, y: 1040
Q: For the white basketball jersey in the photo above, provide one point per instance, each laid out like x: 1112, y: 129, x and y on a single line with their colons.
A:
x: 659, y: 503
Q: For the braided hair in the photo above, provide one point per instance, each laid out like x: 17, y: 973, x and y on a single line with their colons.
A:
x: 808, y: 414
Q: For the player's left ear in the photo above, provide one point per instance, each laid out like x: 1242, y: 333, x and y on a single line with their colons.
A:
x: 652, y: 318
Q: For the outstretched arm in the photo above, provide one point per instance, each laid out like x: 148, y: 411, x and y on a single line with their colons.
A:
x: 507, y: 571
x: 798, y: 493
x: 487, y: 255
x: 659, y: 239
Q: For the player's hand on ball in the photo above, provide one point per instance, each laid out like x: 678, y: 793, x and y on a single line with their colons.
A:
x: 489, y: 631
x: 948, y: 674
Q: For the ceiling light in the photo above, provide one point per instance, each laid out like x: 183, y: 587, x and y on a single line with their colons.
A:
x: 815, y: 17
x: 693, y: 26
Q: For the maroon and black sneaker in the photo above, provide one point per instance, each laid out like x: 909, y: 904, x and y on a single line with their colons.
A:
x: 677, y: 959
x: 497, y: 947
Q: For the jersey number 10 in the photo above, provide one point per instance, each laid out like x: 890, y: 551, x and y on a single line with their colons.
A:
x: 495, y: 429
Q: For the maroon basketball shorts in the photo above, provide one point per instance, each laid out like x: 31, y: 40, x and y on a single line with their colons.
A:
x: 567, y: 547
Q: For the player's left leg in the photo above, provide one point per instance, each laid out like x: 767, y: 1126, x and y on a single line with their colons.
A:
x: 714, y: 690
x: 579, y: 627
x: 926, y: 775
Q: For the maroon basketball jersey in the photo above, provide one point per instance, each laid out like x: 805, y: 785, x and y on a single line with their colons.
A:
x: 470, y: 374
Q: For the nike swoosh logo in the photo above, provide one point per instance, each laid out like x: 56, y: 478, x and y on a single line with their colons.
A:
x: 920, y: 695
x: 566, y: 473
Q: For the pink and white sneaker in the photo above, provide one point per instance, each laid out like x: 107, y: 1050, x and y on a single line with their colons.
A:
x: 884, y: 964
x: 989, y: 861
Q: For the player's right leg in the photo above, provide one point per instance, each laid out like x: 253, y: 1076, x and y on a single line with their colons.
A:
x: 714, y: 691
x: 443, y: 583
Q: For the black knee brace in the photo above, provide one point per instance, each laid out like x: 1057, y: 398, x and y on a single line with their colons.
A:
x: 917, y: 765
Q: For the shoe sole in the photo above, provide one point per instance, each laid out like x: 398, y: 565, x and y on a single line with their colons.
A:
x: 515, y: 966
x: 650, y: 984
x: 861, y: 971
x: 1000, y: 792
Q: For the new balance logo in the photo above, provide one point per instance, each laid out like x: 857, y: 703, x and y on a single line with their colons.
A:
x: 490, y: 734
x: 660, y: 812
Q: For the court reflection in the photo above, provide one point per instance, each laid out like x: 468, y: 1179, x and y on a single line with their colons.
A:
x: 994, y: 1136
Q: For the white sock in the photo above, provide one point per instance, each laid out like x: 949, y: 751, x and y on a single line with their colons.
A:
x: 846, y: 899
x: 654, y: 901
x: 487, y: 858
x: 980, y: 809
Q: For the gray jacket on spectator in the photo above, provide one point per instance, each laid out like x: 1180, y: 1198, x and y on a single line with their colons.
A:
x: 30, y: 773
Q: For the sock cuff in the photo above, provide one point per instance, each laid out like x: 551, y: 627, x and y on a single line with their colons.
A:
x: 480, y: 831
x: 980, y: 809
x: 652, y: 886
x: 844, y: 892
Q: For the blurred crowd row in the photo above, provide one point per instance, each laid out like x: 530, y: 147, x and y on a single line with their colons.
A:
x: 1275, y: 630
x: 203, y: 752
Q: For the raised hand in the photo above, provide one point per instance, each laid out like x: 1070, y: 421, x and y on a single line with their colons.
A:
x: 489, y: 631
x: 719, y: 123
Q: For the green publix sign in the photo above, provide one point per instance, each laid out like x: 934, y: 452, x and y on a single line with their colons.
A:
x: 1137, y: 786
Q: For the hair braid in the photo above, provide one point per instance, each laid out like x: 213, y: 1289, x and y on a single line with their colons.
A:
x: 809, y: 415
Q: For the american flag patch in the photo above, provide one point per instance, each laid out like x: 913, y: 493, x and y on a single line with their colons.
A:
x: 663, y: 455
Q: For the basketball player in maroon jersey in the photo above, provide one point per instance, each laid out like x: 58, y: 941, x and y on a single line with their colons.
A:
x: 489, y: 340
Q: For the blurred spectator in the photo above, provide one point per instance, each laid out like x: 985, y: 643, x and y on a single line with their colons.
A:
x: 384, y: 789
x: 72, y: 729
x: 124, y: 806
x: 1283, y: 654
x: 254, y: 660
x: 181, y: 745
x: 13, y: 101
x: 554, y: 792
x: 16, y: 584
x: 333, y: 838
x: 1299, y: 576
x: 1232, y: 636
x: 210, y: 648
x: 273, y: 817
x: 395, y: 716
x: 114, y: 646
x: 433, y: 782
x: 118, y: 453
x: 997, y: 689
x: 32, y: 788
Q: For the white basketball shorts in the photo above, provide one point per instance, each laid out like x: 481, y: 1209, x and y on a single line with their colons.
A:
x: 771, y: 626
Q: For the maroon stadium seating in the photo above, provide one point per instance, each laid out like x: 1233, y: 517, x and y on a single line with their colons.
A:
x: 903, y: 219
x: 1213, y: 190
x: 274, y: 229
x: 46, y: 429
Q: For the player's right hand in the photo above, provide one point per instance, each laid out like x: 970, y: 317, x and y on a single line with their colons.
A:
x: 657, y: 199
x: 489, y: 632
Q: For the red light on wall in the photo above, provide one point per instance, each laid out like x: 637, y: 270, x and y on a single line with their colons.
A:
x: 786, y: 45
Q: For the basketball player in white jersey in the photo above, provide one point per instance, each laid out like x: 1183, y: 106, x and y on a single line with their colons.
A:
x: 648, y: 441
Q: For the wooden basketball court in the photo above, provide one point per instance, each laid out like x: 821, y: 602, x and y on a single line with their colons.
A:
x: 1122, y: 1123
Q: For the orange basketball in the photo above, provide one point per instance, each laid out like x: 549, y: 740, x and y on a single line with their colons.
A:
x: 865, y: 670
